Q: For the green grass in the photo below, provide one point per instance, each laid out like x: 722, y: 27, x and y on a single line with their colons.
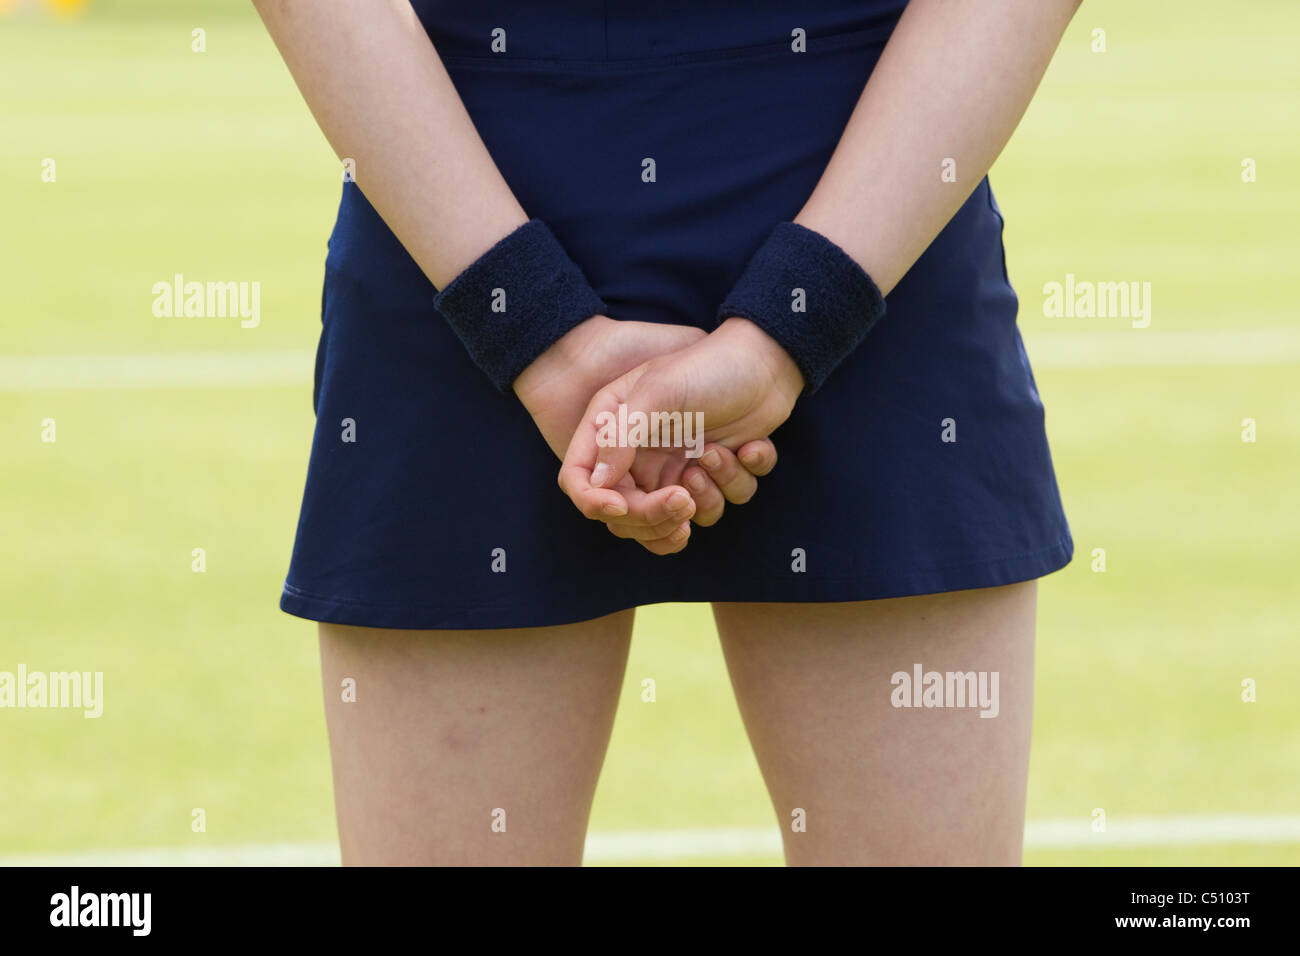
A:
x: 1126, y: 168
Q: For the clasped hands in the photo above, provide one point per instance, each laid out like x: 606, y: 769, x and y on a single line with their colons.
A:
x: 737, y: 377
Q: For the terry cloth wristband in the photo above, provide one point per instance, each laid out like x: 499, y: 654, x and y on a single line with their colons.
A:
x: 809, y: 295
x: 515, y: 300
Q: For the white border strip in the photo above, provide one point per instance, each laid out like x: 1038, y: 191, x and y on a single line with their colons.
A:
x: 727, y: 842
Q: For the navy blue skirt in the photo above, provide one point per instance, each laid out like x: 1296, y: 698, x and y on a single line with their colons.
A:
x: 921, y: 466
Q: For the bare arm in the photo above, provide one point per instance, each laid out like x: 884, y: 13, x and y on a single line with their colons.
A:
x: 381, y: 96
x: 953, y: 82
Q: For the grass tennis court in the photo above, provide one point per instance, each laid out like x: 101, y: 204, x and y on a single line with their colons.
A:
x: 1128, y: 168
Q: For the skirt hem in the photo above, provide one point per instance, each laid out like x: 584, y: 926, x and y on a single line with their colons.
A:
x: 541, y: 609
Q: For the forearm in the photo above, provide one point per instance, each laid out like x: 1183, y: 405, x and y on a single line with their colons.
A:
x: 952, y: 83
x: 381, y: 96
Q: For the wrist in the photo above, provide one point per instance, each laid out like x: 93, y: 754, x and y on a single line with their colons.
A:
x: 567, y: 357
x: 810, y: 296
x: 516, y: 301
x: 781, y: 367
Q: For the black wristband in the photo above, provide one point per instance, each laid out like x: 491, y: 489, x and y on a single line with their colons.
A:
x: 516, y: 300
x: 797, y: 267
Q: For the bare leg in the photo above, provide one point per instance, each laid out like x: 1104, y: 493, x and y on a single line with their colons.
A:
x: 882, y: 784
x: 453, y: 731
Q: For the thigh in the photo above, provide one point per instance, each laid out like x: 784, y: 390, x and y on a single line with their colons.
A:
x: 821, y: 688
x: 469, y: 747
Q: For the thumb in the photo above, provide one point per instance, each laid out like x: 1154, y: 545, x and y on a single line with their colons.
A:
x: 626, y: 426
x: 614, y: 453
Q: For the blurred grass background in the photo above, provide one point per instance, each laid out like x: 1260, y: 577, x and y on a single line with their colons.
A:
x: 1127, y: 168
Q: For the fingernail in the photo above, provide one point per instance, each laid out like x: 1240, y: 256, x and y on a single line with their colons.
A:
x: 599, y: 474
x: 681, y: 533
x: 751, y: 459
x: 699, y: 483
x: 613, y: 510
x: 711, y: 459
x: 679, y: 501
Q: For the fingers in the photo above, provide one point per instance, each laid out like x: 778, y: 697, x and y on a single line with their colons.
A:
x: 733, y: 479
x: 599, y: 504
x: 723, y: 478
x: 658, y: 521
x: 758, y: 457
x: 671, y: 544
x: 654, y: 514
x: 709, y: 500
x: 612, y: 463
x: 616, y: 451
x: 597, y: 476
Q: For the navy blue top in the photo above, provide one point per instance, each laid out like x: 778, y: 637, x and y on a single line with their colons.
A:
x: 592, y: 29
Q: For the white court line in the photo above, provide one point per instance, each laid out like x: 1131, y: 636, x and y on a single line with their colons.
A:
x: 1100, y: 349
x: 1143, y: 347
x: 29, y: 373
x: 728, y: 842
